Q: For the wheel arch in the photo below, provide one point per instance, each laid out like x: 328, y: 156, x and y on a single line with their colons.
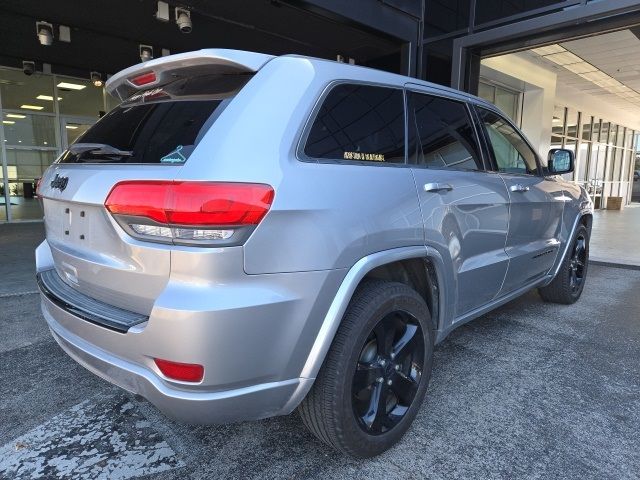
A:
x: 414, y: 266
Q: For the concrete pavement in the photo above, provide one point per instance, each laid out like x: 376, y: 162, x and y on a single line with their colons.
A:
x: 531, y: 390
x: 615, y: 238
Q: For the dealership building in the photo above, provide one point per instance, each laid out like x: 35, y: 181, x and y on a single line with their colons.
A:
x: 567, y: 72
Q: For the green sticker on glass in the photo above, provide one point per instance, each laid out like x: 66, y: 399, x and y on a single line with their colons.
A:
x: 175, y: 156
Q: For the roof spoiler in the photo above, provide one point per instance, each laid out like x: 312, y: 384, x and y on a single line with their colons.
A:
x: 160, y: 71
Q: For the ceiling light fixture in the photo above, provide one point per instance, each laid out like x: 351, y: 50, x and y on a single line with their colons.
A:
x: 575, y: 64
x: 8, y: 122
x: 96, y: 79
x: 47, y: 97
x: 15, y: 115
x: 71, y: 86
x: 44, y: 31
x: 31, y: 107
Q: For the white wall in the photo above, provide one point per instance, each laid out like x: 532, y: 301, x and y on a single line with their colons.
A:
x: 539, y: 92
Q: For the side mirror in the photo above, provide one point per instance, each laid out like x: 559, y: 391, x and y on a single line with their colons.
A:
x: 560, y: 161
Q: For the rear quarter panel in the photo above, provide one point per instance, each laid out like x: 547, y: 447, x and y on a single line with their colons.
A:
x: 324, y: 215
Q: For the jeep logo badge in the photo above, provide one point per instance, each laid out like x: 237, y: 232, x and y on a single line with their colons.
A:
x: 59, y: 182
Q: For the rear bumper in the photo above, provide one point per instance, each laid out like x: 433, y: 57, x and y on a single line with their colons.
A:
x: 248, y: 403
x: 252, y: 333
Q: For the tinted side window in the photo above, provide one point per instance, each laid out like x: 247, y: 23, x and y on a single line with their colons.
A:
x: 444, y: 136
x: 359, y: 123
x: 510, y: 150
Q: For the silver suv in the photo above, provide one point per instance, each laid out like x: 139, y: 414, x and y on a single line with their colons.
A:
x: 246, y: 235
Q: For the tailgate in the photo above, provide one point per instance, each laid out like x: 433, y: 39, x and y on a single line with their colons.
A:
x: 91, y: 253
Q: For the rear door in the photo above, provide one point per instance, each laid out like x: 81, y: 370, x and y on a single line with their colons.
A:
x: 464, y: 208
x: 536, y: 202
x: 148, y: 137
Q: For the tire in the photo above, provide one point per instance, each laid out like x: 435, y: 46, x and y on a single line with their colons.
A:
x: 386, y: 335
x: 568, y: 284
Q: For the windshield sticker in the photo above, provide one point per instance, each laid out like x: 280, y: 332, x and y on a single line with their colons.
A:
x: 174, y: 157
x: 371, y: 157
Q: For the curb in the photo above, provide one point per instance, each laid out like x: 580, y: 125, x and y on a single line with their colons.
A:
x: 604, y: 263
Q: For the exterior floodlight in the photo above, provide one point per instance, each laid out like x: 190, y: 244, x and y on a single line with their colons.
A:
x: 28, y: 67
x: 183, y: 19
x: 146, y: 53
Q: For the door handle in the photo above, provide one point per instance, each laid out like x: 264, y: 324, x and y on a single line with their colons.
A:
x: 518, y: 187
x: 437, y: 187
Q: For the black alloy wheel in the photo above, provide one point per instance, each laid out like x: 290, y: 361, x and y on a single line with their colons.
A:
x: 568, y: 284
x: 577, y: 264
x: 388, y: 373
x: 375, y: 375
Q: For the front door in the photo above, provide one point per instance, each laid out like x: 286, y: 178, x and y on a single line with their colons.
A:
x: 536, y: 203
x: 464, y: 208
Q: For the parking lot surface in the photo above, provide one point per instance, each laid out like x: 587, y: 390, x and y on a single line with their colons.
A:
x: 531, y: 390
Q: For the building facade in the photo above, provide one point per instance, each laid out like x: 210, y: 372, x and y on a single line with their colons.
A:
x: 493, y: 48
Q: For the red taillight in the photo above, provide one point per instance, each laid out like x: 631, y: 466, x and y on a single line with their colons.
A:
x: 185, y: 372
x: 144, y: 79
x: 189, y: 210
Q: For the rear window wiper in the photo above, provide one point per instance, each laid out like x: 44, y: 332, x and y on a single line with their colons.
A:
x: 98, y: 150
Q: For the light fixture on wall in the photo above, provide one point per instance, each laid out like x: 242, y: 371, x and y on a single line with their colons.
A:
x: 44, y: 31
x: 162, y: 13
x: 28, y: 67
x: 96, y: 79
x: 146, y: 52
x: 183, y: 19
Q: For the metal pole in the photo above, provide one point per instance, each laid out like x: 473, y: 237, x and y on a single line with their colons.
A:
x: 5, y: 169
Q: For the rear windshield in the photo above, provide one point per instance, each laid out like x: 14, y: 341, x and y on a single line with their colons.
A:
x: 160, y: 125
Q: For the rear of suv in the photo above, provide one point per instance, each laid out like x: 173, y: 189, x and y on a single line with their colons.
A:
x: 245, y: 235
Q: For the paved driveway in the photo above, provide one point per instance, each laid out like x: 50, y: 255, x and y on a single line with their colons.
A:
x: 531, y: 390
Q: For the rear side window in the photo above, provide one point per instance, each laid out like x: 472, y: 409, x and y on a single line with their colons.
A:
x: 442, y: 134
x: 160, y: 125
x: 359, y: 123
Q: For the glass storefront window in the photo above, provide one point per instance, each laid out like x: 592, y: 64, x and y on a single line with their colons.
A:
x: 486, y: 91
x: 586, y: 127
x: 613, y: 134
x: 26, y: 94
x: 79, y: 97
x: 558, y: 122
x: 112, y: 102
x: 595, y: 136
x: 505, y: 99
x: 621, y: 136
x: 29, y: 130
x: 41, y: 114
x: 573, y: 120
x: 582, y: 159
x: 24, y: 168
x: 605, y: 128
